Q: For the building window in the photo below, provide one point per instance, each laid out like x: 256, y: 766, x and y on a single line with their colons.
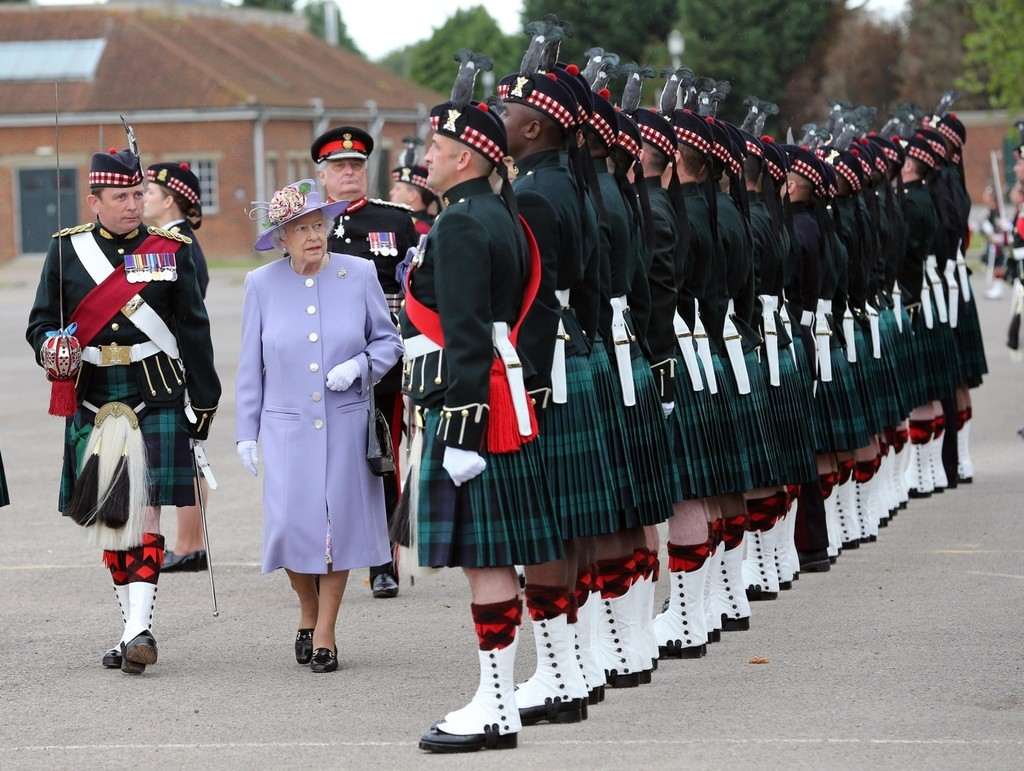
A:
x: 206, y: 170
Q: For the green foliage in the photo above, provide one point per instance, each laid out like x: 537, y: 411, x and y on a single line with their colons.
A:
x: 625, y: 28
x: 994, y: 56
x: 314, y: 12
x: 270, y: 5
x: 430, y: 61
x: 758, y: 47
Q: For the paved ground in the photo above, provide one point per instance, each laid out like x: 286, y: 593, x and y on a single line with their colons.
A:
x: 907, y: 655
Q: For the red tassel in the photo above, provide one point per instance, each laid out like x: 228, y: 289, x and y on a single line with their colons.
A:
x: 502, y: 427
x: 63, y: 398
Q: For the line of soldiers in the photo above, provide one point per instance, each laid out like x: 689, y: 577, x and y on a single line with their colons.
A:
x: 664, y: 318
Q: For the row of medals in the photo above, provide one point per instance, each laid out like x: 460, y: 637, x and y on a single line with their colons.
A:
x: 143, y: 268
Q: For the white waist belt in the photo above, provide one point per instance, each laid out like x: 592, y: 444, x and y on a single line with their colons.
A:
x: 849, y: 333
x: 937, y: 295
x: 822, y: 343
x: 700, y: 339
x: 789, y: 331
x: 954, y: 294
x: 771, y: 336
x: 897, y: 305
x: 734, y: 348
x: 418, y: 346
x: 876, y: 336
x: 684, y: 338
x: 926, y: 302
x: 94, y: 355
x: 559, y: 387
x: 514, y: 372
x: 961, y: 266
x: 620, y: 340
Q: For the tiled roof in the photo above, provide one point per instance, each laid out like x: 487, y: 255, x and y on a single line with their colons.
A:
x: 158, y: 59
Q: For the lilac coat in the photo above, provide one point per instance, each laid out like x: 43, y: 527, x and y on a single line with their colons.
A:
x: 319, y: 498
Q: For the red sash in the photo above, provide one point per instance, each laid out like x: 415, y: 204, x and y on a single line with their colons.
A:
x: 429, y: 323
x: 502, y: 428
x: 108, y: 298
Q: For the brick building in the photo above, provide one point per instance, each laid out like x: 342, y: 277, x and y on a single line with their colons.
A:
x: 237, y: 93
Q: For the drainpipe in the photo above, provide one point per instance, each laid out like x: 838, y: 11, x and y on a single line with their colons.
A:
x: 259, y: 151
x: 375, y: 125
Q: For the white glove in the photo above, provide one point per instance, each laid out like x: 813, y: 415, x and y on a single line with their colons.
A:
x: 247, y: 452
x: 462, y: 465
x: 341, y: 377
x: 667, y: 408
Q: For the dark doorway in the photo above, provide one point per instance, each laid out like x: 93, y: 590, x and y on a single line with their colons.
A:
x: 38, y: 189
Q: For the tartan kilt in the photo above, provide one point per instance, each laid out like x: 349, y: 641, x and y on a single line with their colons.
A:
x: 758, y: 444
x: 872, y: 384
x: 737, y: 478
x: 839, y: 412
x: 576, y: 459
x: 970, y: 343
x: 695, y: 439
x: 650, y: 454
x: 613, y: 423
x: 911, y: 365
x: 894, y: 349
x: 502, y: 517
x: 805, y: 380
x: 164, y: 430
x: 788, y: 415
x: 939, y: 356
x: 5, y: 497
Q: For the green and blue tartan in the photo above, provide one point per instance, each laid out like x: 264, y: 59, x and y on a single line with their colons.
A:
x: 502, y: 517
x: 939, y: 356
x: 873, y: 387
x: 647, y: 443
x: 911, y: 365
x: 760, y: 445
x: 164, y: 430
x: 576, y: 458
x: 613, y: 422
x: 788, y: 415
x: 970, y: 343
x: 695, y: 439
x: 894, y: 350
x: 838, y: 409
x: 736, y: 466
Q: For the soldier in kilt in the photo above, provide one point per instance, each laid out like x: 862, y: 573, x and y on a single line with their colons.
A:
x: 481, y: 502
x: 133, y: 307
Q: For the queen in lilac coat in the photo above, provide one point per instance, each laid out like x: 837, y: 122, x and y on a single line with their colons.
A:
x: 309, y: 322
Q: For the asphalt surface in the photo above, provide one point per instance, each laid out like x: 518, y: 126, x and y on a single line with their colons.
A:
x: 908, y: 654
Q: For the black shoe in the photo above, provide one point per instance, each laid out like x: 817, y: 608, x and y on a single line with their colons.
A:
x: 436, y: 740
x: 137, y: 653
x: 112, y: 658
x: 324, y: 660
x: 193, y: 562
x: 304, y: 646
x: 553, y: 711
x: 815, y: 561
x: 735, y: 624
x: 384, y: 585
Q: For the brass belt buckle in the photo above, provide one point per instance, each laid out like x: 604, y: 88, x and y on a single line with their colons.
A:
x: 114, y: 355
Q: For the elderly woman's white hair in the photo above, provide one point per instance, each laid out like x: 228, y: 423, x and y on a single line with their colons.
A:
x: 277, y: 237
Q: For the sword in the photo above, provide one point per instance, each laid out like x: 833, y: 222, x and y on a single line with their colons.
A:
x: 202, y: 468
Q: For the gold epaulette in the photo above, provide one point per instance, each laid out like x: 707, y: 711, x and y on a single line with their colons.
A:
x: 76, y: 229
x: 154, y: 231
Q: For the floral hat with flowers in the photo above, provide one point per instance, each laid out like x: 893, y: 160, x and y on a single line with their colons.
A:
x: 290, y: 202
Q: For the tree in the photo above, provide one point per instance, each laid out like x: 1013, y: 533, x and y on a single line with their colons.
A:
x: 314, y: 12
x: 623, y: 28
x: 861, y: 67
x: 430, y: 61
x: 270, y: 5
x: 934, y: 50
x: 760, y: 47
x: 994, y: 57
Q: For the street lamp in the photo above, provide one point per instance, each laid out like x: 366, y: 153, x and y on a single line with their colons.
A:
x: 676, y: 46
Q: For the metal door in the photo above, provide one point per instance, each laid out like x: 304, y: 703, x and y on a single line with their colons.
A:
x: 38, y: 205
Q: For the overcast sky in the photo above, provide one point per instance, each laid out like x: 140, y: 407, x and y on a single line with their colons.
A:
x: 380, y: 26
